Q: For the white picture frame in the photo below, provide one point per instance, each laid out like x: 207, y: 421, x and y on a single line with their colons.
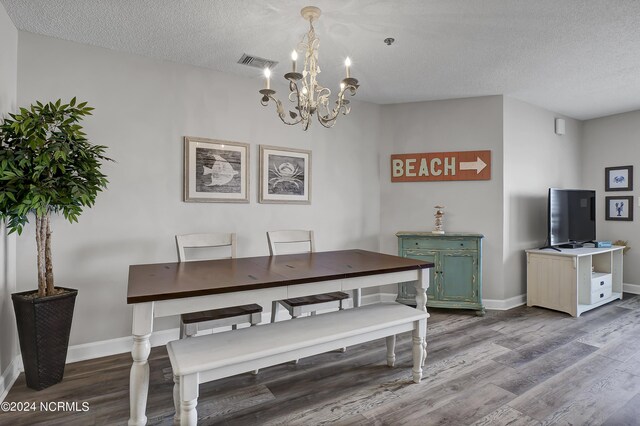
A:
x: 285, y: 175
x: 215, y: 171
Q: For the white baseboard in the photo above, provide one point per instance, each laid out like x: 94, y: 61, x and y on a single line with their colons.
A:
x: 116, y: 346
x: 9, y: 376
x: 503, y: 305
x: 498, y: 305
x: 378, y: 297
x: 631, y: 288
x: 506, y: 304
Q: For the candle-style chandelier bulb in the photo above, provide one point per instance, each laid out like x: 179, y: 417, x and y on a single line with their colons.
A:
x: 309, y: 98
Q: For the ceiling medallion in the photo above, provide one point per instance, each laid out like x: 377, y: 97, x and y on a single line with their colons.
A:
x: 307, y: 95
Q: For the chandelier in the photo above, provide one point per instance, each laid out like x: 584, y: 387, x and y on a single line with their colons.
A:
x: 309, y: 98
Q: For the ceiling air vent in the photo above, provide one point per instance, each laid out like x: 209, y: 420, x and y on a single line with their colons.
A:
x: 256, y: 62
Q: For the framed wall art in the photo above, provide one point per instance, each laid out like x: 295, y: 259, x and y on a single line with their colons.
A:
x: 215, y: 171
x: 285, y: 175
x: 619, y: 208
x: 618, y: 178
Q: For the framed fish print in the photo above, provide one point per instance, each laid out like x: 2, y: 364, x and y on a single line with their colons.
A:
x: 285, y: 175
x: 215, y: 171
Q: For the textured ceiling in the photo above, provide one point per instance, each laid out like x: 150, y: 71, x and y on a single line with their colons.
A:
x: 579, y: 58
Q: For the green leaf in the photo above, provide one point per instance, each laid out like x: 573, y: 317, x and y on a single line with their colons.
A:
x: 47, y: 164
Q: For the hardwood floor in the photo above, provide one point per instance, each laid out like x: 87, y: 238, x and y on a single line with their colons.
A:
x: 526, y: 366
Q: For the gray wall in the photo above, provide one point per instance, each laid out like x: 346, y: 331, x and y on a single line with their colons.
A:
x: 608, y: 142
x: 470, y: 206
x: 144, y: 107
x: 8, y: 76
x: 535, y: 159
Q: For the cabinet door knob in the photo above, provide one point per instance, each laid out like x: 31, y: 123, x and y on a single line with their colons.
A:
x: 601, y: 282
x: 601, y: 295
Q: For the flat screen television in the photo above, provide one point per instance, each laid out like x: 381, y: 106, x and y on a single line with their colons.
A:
x: 571, y: 217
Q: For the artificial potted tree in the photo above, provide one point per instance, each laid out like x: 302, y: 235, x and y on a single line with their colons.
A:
x: 47, y: 166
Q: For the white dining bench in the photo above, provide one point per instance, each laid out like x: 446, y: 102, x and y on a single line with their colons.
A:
x: 202, y: 359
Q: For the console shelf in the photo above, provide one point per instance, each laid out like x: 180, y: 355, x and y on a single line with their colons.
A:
x: 574, y: 280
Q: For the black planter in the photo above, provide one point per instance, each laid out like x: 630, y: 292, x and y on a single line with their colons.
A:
x: 44, y: 325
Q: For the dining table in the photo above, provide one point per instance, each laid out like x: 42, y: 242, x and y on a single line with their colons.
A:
x: 167, y: 289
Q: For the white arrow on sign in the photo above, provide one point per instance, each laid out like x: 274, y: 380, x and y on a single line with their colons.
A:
x: 477, y: 165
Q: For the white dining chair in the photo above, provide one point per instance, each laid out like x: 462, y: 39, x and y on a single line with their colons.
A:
x: 302, y: 241
x: 192, y: 322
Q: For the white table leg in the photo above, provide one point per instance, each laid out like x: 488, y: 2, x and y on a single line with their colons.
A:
x: 421, y: 285
x: 418, y: 349
x: 139, y: 380
x: 391, y: 350
x: 139, y: 377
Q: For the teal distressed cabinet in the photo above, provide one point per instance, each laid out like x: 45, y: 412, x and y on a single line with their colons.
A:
x: 456, y: 279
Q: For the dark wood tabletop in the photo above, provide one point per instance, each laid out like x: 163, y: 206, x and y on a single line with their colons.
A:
x: 162, y: 281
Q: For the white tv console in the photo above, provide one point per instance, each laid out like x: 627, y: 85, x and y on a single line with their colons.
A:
x: 574, y: 280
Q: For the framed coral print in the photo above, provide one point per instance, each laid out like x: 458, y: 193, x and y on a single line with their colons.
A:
x: 618, y: 178
x: 215, y: 171
x: 285, y: 175
x: 619, y: 208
